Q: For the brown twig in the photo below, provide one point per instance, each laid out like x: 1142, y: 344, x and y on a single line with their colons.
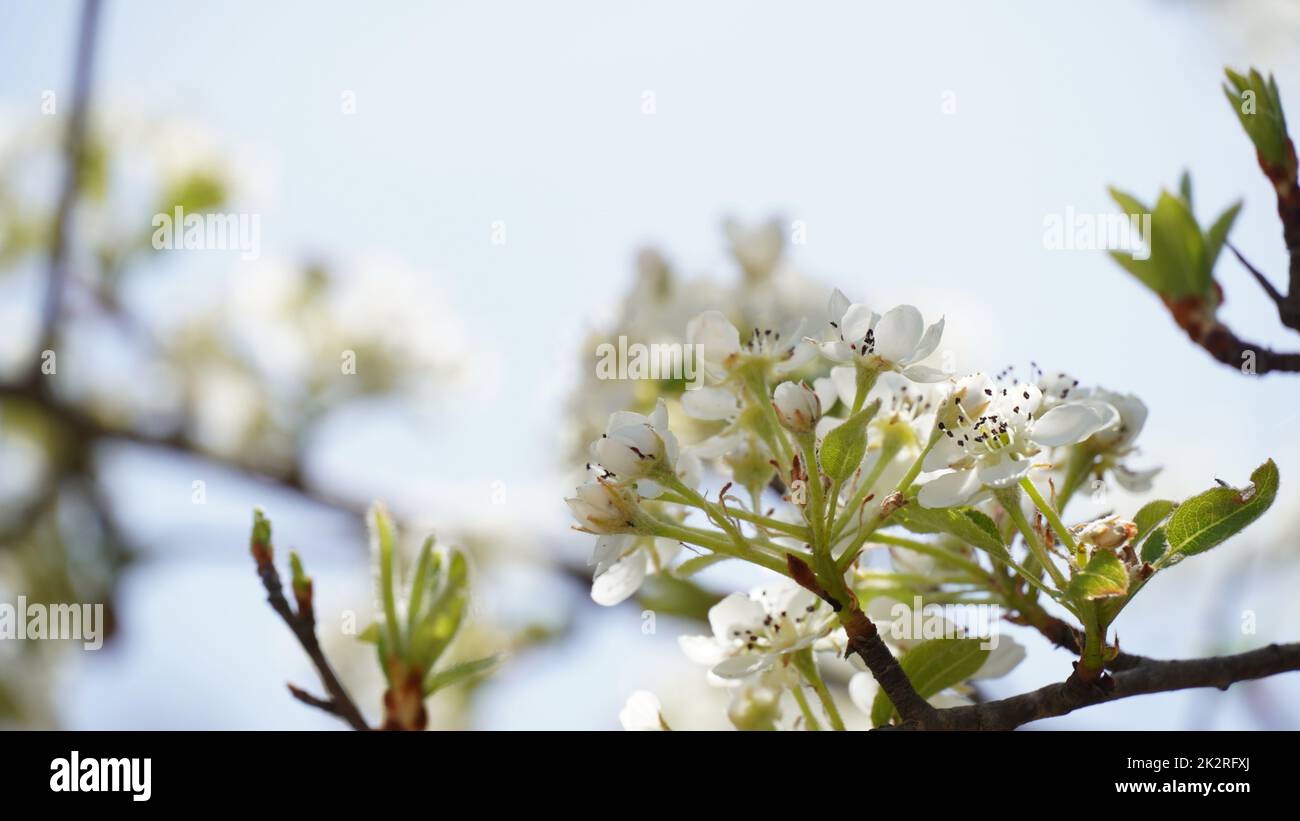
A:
x: 1148, y: 676
x: 1203, y: 328
x: 303, y: 625
x: 864, y: 639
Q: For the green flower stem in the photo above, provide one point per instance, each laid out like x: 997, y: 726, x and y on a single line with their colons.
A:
x: 1053, y: 518
x: 807, y: 667
x: 717, y: 543
x: 761, y: 394
x: 802, y: 701
x: 973, y: 569
x: 815, y: 511
x: 1077, y: 469
x: 887, y: 454
x: 1093, y: 638
x: 1010, y: 499
x: 766, y: 522
x: 866, y: 379
x: 741, y: 547
x: 834, y: 500
x: 905, y: 484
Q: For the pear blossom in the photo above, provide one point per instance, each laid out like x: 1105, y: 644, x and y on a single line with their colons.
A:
x: 752, y: 632
x: 624, y: 561
x: 642, y: 712
x: 896, y: 341
x: 635, y: 446
x: 782, y: 351
x: 1115, y: 443
x: 991, y: 434
x: 797, y: 407
x: 600, y: 507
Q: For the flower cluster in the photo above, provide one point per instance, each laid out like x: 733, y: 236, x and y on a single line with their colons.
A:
x: 830, y: 460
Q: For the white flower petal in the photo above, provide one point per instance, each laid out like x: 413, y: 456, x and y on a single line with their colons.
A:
x: 862, y: 691
x: 857, y: 320
x: 1065, y: 425
x: 1002, y: 471
x: 826, y: 392
x: 929, y: 342
x: 642, y: 712
x: 736, y: 615
x: 1135, y: 481
x: 898, y: 332
x: 716, y: 446
x: 620, y: 581
x: 743, y: 665
x: 704, y: 650
x: 716, y: 333
x: 948, y: 490
x: 837, y: 306
x: 846, y: 383
x: 801, y: 354
x: 610, y: 548
x: 1106, y: 412
x: 924, y: 373
x: 649, y: 488
x: 710, y: 404
x: 836, y: 351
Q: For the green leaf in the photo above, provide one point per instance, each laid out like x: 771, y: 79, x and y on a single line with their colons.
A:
x: 439, y: 623
x: 1151, y: 514
x: 381, y: 544
x: 460, y: 673
x: 1104, y: 577
x: 1154, y: 547
x: 1209, y: 519
x: 1178, y: 248
x: 1218, y: 233
x: 843, y: 448
x: 1258, y: 106
x: 424, y: 570
x: 933, y: 666
x: 967, y: 524
x: 1185, y: 190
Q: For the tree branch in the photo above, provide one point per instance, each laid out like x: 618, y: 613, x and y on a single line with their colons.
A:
x: 1221, y: 343
x: 1146, y: 677
x: 74, y: 148
x: 303, y: 625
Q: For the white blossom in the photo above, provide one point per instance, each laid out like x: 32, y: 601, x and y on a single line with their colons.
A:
x: 896, y: 341
x: 750, y: 633
x: 992, y: 433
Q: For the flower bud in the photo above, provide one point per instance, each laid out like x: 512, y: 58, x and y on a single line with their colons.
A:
x: 755, y: 707
x: 602, y: 508
x: 1109, y: 533
x: 797, y: 407
x: 635, y: 446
